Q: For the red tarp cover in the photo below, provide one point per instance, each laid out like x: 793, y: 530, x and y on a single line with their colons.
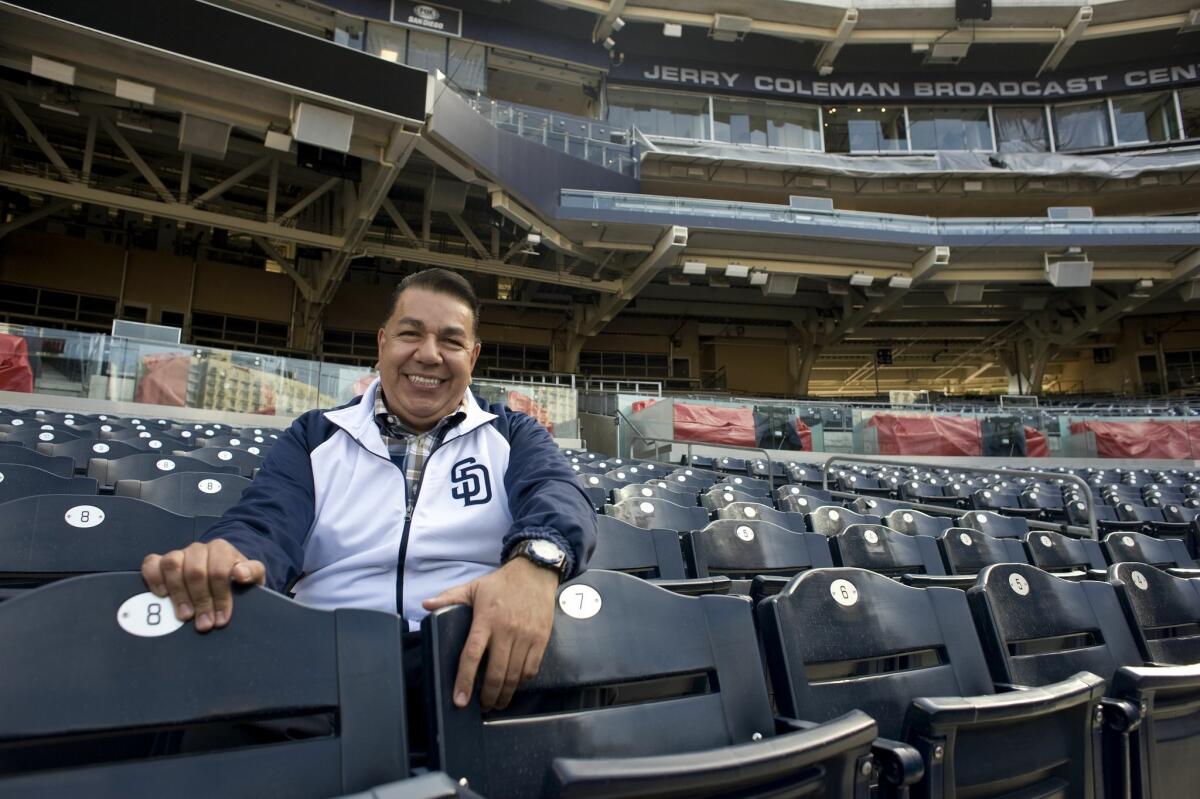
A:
x: 941, y: 435
x: 732, y: 426
x: 805, y: 433
x: 165, y: 381
x: 15, y: 372
x: 639, y: 405
x: 1168, y: 440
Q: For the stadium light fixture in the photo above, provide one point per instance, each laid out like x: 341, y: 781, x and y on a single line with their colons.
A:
x: 617, y: 24
x: 694, y: 267
x: 609, y: 43
x: 736, y: 270
x: 861, y: 279
x: 672, y: 30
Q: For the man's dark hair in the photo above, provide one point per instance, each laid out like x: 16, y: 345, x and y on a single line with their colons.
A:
x: 442, y: 281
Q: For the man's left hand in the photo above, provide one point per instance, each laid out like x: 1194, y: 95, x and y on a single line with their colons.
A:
x: 514, y: 612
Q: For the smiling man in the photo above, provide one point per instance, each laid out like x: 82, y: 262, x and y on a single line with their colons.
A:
x: 413, y: 497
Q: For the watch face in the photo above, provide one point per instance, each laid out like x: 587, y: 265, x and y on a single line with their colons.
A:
x: 546, y: 551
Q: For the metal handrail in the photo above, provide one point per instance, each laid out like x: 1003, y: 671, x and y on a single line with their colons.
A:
x: 1087, y: 490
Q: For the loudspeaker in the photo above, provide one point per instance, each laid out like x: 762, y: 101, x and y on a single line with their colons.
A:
x: 1069, y: 274
x: 781, y: 285
x: 973, y: 9
x: 205, y: 137
x: 322, y: 127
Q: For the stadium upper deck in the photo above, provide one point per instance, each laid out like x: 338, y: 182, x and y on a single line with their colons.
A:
x: 699, y: 193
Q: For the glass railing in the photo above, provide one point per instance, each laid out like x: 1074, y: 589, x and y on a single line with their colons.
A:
x: 587, y: 139
x: 1130, y: 438
x: 45, y: 361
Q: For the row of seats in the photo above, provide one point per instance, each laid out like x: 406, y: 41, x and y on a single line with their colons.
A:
x: 1024, y: 685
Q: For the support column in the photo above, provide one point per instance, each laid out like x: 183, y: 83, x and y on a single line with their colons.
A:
x: 567, y: 355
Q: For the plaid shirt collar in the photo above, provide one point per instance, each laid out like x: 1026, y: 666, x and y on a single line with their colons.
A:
x: 390, y: 426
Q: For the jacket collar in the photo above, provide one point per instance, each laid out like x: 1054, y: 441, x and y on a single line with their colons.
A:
x: 359, y: 420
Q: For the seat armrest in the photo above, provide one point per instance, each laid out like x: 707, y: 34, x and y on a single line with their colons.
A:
x: 765, y: 585
x: 1135, y: 679
x: 1032, y: 701
x: 900, y: 765
x: 696, y: 586
x: 1008, y: 687
x: 735, y: 769
x: 1121, y: 714
x: 1186, y: 574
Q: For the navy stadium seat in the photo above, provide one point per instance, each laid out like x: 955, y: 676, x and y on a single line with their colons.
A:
x: 59, y: 465
x: 744, y: 550
x: 830, y: 521
x: 914, y: 522
x: 720, y: 495
x: 753, y: 511
x: 17, y: 481
x: 967, y: 551
x: 147, y: 466
x: 1055, y: 552
x: 1165, y: 553
x: 837, y: 639
x: 244, y: 461
x: 652, y: 512
x: 641, y: 693
x: 887, y: 551
x: 1162, y: 611
x: 196, y: 715
x: 81, y: 451
x: 994, y: 524
x: 188, y: 493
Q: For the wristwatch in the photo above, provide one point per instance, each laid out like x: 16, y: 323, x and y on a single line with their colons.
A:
x: 541, y: 552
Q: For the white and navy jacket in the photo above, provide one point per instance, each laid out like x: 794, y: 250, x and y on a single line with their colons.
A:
x: 327, y: 509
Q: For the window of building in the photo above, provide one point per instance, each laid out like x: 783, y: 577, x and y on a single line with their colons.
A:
x: 1189, y: 104
x: 766, y: 124
x: 426, y: 51
x: 863, y: 129
x: 932, y: 128
x: 623, y: 364
x: 388, y: 42
x: 512, y: 357
x: 1082, y: 126
x: 29, y: 305
x: 1145, y: 118
x: 468, y: 66
x: 1021, y: 129
x: 220, y: 330
x: 1183, y: 369
x: 682, y: 116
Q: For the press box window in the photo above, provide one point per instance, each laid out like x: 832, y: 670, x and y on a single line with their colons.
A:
x: 680, y: 116
x: 950, y: 129
x: 766, y: 124
x: 1082, y: 126
x: 1021, y: 129
x: 865, y: 129
x: 1146, y: 118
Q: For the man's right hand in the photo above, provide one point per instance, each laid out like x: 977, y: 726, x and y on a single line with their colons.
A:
x: 197, y: 580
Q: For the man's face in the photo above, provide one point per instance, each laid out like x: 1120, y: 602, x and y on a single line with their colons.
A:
x: 426, y: 353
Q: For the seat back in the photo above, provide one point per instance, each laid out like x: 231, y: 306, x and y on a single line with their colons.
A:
x: 649, y: 554
x: 65, y: 730
x: 753, y: 511
x: 914, y: 522
x: 721, y: 495
x: 654, y: 513
x: 886, y: 551
x: 17, y: 481
x: 829, y: 520
x: 631, y: 670
x: 994, y: 524
x: 1038, y: 629
x: 655, y: 489
x: 745, y: 548
x: 147, y: 466
x: 84, y: 449
x: 55, y: 464
x: 1163, y: 612
x: 748, y: 485
x: 188, y: 493
x: 1057, y: 552
x: 244, y: 460
x: 968, y: 551
x: 845, y: 638
x: 877, y: 506
x: 1130, y: 547
x: 49, y: 536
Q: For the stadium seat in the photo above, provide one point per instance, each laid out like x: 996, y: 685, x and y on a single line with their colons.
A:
x: 51, y: 536
x: 720, y: 495
x: 81, y: 451
x: 1106, y: 516
x: 1037, y: 629
x: 862, y: 484
x: 195, y: 715
x: 967, y: 552
x: 746, y: 549
x: 887, y: 551
x: 747, y: 485
x: 656, y: 488
x: 1001, y: 502
x: 1166, y: 553
x: 837, y: 639
x: 30, y: 436
x: 1162, y: 611
x: 654, y: 513
x: 641, y: 693
x: 994, y: 524
x: 793, y: 490
x: 913, y: 522
x: 243, y: 460
x: 925, y: 493
x: 18, y: 481
x: 877, y: 506
x: 730, y: 465
x: 147, y: 466
x: 188, y: 493
x: 57, y: 465
x: 753, y: 511
x: 1055, y: 552
x: 829, y: 521
x: 804, y: 475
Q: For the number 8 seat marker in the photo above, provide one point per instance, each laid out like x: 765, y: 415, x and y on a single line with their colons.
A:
x: 148, y: 616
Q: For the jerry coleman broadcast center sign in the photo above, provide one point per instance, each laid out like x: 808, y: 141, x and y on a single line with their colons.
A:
x: 428, y: 17
x: 958, y: 88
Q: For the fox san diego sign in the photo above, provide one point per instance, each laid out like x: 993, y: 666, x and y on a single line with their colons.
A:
x: 427, y: 17
x: 956, y: 87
